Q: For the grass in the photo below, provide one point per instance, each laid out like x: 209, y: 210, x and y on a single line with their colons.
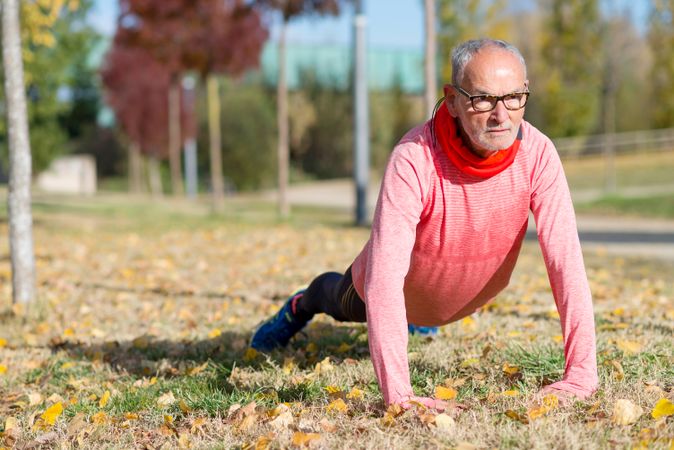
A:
x: 154, y: 302
x: 643, y: 169
x: 650, y: 206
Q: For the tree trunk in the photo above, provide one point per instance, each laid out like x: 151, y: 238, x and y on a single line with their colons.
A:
x: 174, y: 139
x: 282, y: 118
x: 19, y: 197
x: 154, y: 175
x: 215, y: 138
x: 429, y: 62
x: 136, y: 184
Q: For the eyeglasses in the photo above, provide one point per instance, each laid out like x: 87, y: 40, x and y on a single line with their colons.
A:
x: 484, y: 103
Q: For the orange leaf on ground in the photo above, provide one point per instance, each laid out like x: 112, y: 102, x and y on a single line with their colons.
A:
x: 445, y: 393
x: 301, y: 439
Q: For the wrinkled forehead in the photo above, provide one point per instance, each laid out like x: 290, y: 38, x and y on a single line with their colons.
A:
x: 494, y: 67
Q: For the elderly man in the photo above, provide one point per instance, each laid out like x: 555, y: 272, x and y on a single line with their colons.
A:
x: 449, y: 223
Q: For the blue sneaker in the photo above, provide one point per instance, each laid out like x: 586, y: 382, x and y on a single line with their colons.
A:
x: 422, y: 331
x: 277, y: 331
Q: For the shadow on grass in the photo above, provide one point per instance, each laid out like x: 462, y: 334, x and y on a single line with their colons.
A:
x: 148, y: 356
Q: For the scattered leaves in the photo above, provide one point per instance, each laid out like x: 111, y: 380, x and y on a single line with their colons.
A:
x: 549, y: 402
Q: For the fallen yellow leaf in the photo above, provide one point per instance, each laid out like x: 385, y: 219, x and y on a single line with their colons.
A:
x: 469, y: 362
x: 51, y: 414
x: 196, y: 370
x: 3, y: 342
x: 549, y: 403
x: 344, y: 347
x: 67, y: 365
x: 510, y: 370
x: 214, y: 333
x: 517, y: 416
x: 333, y: 389
x: 663, y: 408
x: 301, y: 439
x: 250, y: 354
x: 337, y: 405
x: 312, y: 348
x: 629, y: 347
x: 184, y: 407
x: 141, y: 342
x: 625, y: 412
x: 355, y: 394
x: 3, y: 369
x: 445, y: 393
x: 99, y: 418
x: 104, y: 400
x: 511, y: 393
x: 324, y: 366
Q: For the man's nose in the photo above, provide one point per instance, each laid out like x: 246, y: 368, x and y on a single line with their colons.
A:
x: 500, y: 112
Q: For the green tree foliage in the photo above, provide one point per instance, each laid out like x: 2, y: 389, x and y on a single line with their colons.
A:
x: 248, y: 134
x: 570, y: 89
x: 661, y: 39
x: 59, y: 42
x: 326, y: 149
x: 468, y: 19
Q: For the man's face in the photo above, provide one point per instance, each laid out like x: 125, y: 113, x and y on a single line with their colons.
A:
x: 491, y: 71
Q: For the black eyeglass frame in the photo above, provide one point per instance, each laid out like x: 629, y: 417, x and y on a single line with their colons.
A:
x: 496, y: 99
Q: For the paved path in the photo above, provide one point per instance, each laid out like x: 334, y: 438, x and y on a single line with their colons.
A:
x: 625, y: 236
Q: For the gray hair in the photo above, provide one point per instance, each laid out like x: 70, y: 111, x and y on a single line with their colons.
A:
x: 464, y: 52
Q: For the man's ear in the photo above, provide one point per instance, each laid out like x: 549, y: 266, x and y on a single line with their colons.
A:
x: 450, y: 99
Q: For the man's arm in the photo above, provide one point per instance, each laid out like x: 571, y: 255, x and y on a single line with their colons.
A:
x: 393, y: 235
x: 558, y: 238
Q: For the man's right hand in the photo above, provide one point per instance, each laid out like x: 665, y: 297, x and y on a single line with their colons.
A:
x: 427, y: 402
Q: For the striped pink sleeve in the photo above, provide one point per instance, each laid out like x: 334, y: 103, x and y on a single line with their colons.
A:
x: 558, y: 238
x: 391, y: 242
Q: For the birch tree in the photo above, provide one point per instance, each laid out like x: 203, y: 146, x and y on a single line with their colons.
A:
x: 19, y: 209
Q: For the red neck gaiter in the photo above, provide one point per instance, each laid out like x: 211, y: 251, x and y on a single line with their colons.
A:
x: 462, y: 157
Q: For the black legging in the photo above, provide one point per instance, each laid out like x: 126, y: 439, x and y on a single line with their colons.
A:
x: 333, y: 294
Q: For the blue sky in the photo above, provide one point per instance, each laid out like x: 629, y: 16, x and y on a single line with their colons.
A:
x: 391, y: 23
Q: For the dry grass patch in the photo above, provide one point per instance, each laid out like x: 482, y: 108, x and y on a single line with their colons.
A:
x: 140, y: 341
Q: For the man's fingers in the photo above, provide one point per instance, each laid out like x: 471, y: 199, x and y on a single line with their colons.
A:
x: 425, y: 402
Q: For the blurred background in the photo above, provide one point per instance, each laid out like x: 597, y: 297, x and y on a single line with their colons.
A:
x: 189, y: 98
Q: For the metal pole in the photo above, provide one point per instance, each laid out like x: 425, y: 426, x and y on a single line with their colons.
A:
x: 190, y: 143
x: 361, y: 122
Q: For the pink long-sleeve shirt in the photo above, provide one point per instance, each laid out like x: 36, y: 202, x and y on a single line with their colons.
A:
x: 444, y: 243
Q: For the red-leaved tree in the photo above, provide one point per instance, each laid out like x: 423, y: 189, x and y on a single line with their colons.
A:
x: 136, y: 87
x: 207, y: 36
